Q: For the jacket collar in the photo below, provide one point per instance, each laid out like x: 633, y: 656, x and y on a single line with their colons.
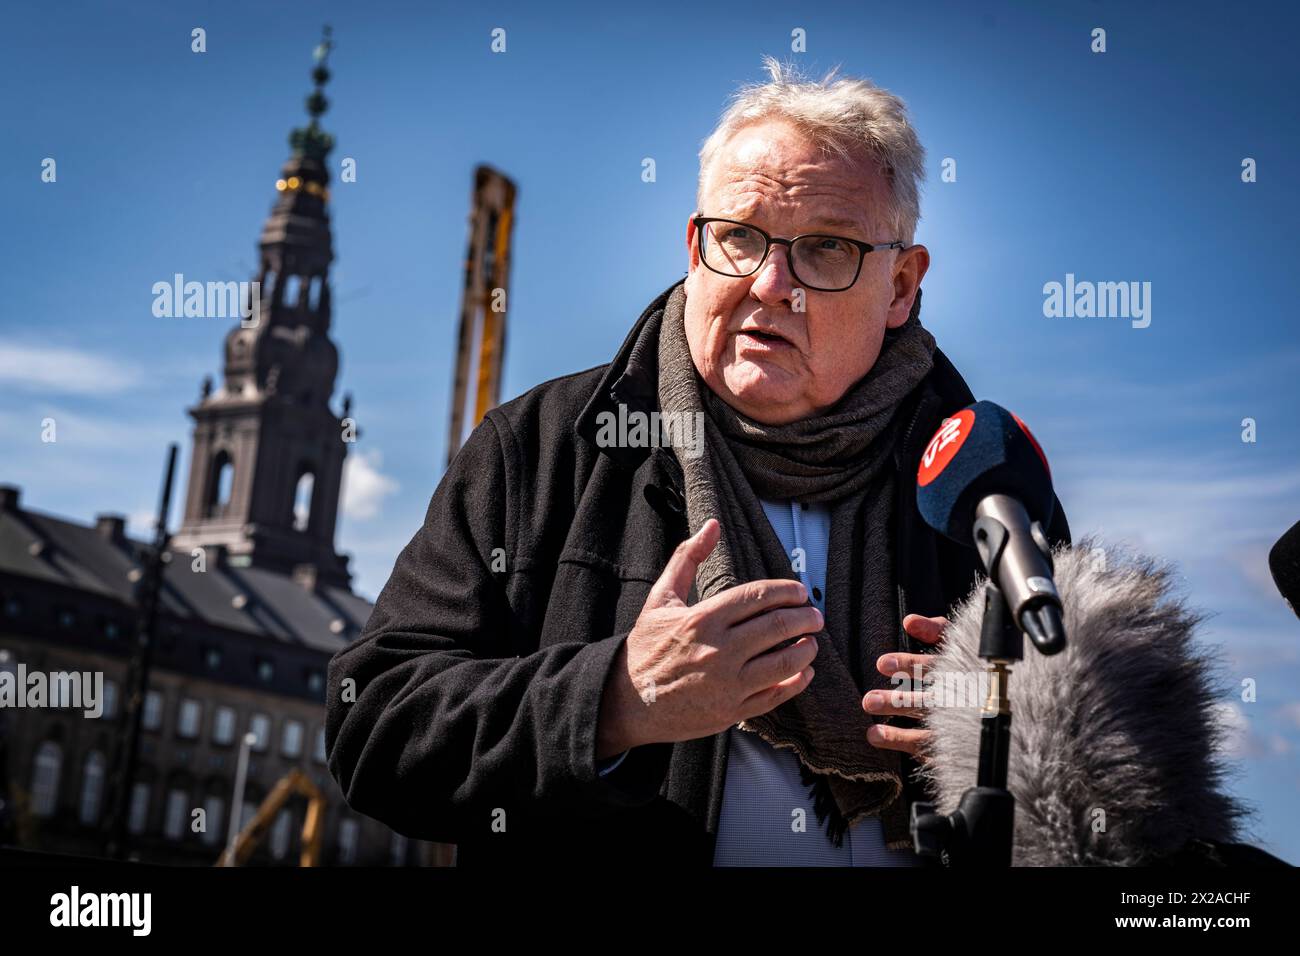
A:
x: 632, y: 379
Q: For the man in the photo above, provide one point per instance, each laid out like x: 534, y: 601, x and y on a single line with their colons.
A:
x: 601, y: 646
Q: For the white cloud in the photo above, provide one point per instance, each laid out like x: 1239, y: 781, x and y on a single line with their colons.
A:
x: 48, y: 368
x: 107, y: 437
x: 1183, y: 506
x: 100, y: 462
x: 139, y: 524
x: 1214, y: 512
x: 1240, y: 739
x: 364, y: 486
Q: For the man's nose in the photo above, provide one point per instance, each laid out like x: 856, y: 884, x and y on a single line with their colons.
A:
x: 774, y: 283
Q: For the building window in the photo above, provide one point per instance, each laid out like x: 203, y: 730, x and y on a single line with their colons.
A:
x: 67, y: 618
x: 315, y: 681
x: 247, y: 810
x: 280, y: 834
x: 13, y: 607
x: 348, y: 832
x: 110, y: 700
x: 223, y: 726
x: 112, y: 630
x: 92, y: 787
x: 151, y: 719
x: 302, y: 500
x: 174, y: 821
x: 265, y: 669
x: 221, y: 482
x: 45, y: 778
x: 212, y: 658
x: 291, y: 739
x: 187, y: 722
x: 291, y: 290
x: 214, y: 809
x: 260, y: 726
x: 139, y: 810
x: 320, y: 746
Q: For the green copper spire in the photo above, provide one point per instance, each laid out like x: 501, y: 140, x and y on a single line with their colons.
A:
x: 311, y: 141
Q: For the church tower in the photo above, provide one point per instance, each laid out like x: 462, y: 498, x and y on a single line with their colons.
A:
x: 268, y: 450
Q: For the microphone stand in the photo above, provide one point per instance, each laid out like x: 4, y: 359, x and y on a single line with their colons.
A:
x: 979, y: 833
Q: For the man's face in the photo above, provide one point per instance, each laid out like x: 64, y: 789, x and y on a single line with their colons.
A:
x: 769, y: 176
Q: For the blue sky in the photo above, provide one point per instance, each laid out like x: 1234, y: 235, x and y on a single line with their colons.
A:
x: 1118, y: 166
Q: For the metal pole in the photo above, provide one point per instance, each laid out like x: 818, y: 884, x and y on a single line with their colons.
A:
x: 6, y: 811
x: 126, y: 755
x: 237, y: 798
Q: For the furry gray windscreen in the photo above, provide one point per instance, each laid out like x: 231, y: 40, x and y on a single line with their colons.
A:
x: 1116, y: 742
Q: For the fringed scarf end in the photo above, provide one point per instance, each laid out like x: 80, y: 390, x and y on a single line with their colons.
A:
x: 824, y: 805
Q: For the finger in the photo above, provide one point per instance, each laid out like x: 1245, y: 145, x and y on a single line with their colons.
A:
x: 772, y: 697
x: 753, y: 598
x: 761, y: 634
x: 674, y: 585
x: 905, y: 703
x: 927, y: 629
x: 905, y: 739
x: 908, y: 665
x: 766, y: 670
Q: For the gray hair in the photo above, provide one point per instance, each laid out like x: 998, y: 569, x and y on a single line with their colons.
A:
x: 843, y: 117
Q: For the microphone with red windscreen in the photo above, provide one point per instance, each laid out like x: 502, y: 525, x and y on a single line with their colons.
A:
x: 984, y: 480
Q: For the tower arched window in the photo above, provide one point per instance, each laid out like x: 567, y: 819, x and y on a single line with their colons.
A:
x: 292, y: 290
x: 222, y: 482
x: 302, y: 495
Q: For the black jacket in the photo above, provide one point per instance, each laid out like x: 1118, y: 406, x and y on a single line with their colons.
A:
x: 479, y: 675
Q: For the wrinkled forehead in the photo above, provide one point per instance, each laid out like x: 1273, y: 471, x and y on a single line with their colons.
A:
x: 772, y: 171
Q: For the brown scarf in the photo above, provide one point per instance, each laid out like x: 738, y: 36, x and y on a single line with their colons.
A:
x: 843, y: 458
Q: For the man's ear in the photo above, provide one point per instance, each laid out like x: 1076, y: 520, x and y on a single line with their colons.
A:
x: 692, y: 252
x: 692, y: 249
x: 909, y: 269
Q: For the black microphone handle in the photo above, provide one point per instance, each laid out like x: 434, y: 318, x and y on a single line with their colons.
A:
x: 1023, y: 573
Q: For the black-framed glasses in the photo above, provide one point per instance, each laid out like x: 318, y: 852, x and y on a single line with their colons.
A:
x: 817, y: 261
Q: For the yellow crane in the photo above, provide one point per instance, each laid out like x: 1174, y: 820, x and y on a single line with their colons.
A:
x: 293, y: 782
x: 482, y: 334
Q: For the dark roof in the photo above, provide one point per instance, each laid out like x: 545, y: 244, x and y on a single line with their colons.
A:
x: 89, y: 558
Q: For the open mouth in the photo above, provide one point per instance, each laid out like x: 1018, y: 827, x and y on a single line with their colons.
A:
x: 770, y: 339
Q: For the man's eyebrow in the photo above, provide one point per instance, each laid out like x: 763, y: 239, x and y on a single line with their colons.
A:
x: 814, y: 222
x: 835, y: 221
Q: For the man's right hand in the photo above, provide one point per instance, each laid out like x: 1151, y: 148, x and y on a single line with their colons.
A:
x: 687, y: 672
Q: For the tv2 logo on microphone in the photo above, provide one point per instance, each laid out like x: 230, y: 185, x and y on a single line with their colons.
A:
x: 947, y: 441
x: 945, y: 444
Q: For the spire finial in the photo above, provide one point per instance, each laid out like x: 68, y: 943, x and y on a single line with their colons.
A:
x: 311, y: 141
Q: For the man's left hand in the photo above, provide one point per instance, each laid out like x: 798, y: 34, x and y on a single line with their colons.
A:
x: 901, y: 699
